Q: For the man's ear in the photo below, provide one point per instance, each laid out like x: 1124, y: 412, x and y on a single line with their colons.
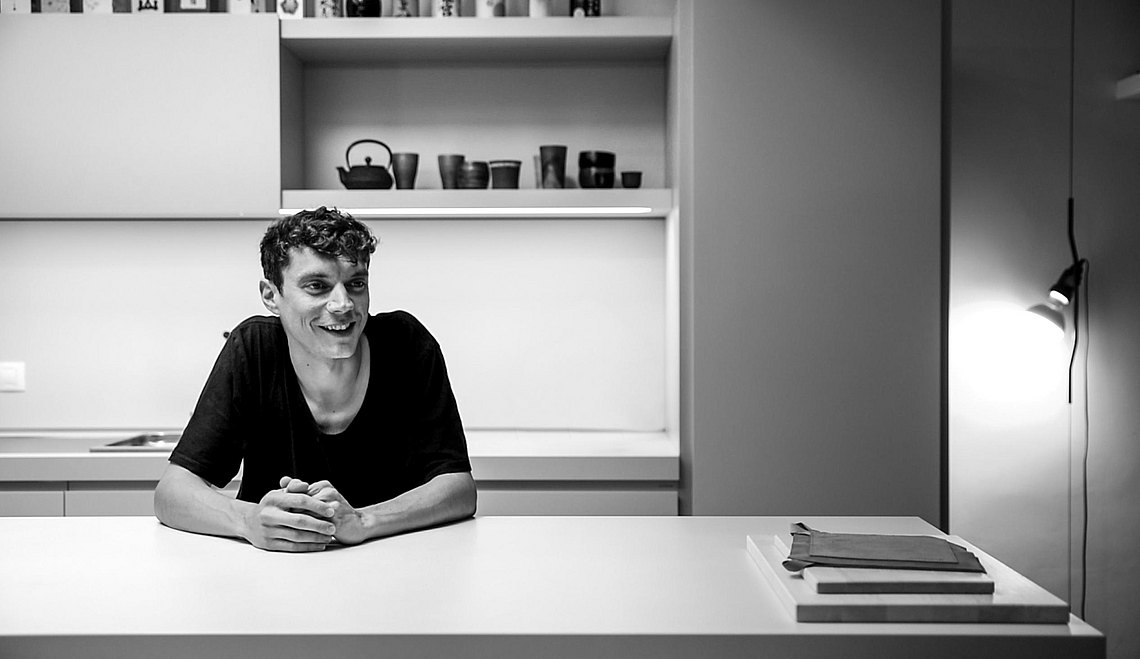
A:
x: 269, y: 295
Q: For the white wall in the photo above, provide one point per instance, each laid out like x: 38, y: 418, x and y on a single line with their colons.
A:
x: 1016, y: 474
x: 545, y: 324
x: 812, y: 258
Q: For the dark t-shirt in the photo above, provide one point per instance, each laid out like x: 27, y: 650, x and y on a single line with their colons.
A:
x: 407, y: 430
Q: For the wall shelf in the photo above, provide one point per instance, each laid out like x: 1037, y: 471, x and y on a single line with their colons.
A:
x: 409, y: 40
x: 1128, y: 89
x: 534, y: 204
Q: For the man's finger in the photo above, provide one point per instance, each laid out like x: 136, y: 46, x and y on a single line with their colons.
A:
x: 306, y: 522
x: 302, y: 503
x: 322, y: 534
x: 318, y: 486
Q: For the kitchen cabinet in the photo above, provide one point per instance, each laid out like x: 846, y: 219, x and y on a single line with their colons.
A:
x: 22, y: 499
x: 113, y: 116
x: 591, y: 500
x: 130, y: 498
x: 101, y: 499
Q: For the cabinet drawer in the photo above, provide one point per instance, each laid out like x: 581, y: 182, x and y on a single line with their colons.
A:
x: 31, y: 499
x: 576, y: 501
x: 115, y: 499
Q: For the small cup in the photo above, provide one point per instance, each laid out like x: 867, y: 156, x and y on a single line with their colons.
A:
x: 553, y: 165
x: 631, y: 179
x: 596, y: 177
x: 505, y: 173
x: 405, y: 166
x: 449, y: 169
x: 473, y: 175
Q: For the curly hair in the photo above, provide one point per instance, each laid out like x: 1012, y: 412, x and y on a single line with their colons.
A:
x: 330, y: 232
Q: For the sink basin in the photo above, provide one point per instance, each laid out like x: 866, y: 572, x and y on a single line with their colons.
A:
x: 157, y: 441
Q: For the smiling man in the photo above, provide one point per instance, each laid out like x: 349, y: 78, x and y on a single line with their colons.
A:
x: 344, y: 424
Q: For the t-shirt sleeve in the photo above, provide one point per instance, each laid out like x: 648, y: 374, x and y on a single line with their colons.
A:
x: 211, y: 444
x: 443, y: 445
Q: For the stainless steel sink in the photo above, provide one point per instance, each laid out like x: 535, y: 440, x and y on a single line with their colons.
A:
x: 153, y: 442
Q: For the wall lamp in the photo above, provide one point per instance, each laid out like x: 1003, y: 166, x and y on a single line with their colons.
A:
x: 1061, y: 294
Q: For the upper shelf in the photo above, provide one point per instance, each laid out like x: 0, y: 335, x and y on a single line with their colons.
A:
x: 405, y: 40
x: 531, y: 204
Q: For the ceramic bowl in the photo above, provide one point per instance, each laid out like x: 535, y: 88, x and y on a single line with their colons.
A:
x: 604, y: 159
x: 596, y: 177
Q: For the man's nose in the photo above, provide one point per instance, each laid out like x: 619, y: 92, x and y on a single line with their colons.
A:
x: 339, y: 300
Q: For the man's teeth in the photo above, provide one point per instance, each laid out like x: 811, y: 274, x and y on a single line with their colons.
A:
x: 336, y: 327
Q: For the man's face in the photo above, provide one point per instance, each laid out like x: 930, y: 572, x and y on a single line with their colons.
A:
x: 322, y: 302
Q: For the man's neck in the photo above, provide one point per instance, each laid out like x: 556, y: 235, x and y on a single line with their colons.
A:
x: 329, y: 381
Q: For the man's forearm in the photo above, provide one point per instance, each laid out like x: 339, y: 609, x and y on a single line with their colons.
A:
x: 445, y: 498
x: 184, y: 501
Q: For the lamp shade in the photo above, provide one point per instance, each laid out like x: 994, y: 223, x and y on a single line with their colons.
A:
x: 1067, y: 284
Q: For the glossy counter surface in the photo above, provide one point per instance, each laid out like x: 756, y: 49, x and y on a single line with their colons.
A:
x: 492, y: 586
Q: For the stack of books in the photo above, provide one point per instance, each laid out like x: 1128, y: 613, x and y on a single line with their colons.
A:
x: 848, y: 577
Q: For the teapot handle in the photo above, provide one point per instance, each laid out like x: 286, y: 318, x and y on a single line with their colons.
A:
x: 346, y: 161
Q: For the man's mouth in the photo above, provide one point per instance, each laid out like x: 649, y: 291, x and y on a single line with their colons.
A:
x: 339, y: 329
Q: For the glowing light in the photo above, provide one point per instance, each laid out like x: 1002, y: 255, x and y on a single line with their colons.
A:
x: 1005, y: 360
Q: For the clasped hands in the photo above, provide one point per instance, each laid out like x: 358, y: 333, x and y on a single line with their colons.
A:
x: 303, y: 517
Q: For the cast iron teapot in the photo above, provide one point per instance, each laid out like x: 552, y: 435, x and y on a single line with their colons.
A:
x: 366, y: 176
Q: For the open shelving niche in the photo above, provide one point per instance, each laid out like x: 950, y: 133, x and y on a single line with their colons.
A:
x: 313, y: 50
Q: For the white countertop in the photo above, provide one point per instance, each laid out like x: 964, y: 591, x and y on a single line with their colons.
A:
x: 508, y: 455
x: 501, y: 586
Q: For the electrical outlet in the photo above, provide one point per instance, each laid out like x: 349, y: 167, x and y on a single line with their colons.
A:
x: 12, y: 376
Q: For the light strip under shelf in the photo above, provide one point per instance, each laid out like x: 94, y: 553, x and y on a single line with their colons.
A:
x: 493, y: 211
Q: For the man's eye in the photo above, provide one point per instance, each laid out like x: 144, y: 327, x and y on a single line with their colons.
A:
x: 314, y: 287
x: 358, y: 285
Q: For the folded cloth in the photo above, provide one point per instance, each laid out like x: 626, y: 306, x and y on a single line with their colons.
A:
x: 901, y: 552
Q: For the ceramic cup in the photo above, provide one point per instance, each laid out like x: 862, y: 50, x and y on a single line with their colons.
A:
x: 405, y: 166
x: 449, y: 169
x: 596, y: 177
x: 631, y: 179
x: 553, y: 157
x: 474, y: 175
x: 505, y: 173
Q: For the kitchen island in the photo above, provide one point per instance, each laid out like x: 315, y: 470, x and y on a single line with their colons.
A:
x: 519, y: 473
x: 487, y: 587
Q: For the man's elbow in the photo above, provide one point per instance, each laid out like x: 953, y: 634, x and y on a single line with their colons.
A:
x: 162, y: 499
x: 467, y: 496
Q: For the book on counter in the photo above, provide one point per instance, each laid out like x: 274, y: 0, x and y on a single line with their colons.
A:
x: 863, y: 580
